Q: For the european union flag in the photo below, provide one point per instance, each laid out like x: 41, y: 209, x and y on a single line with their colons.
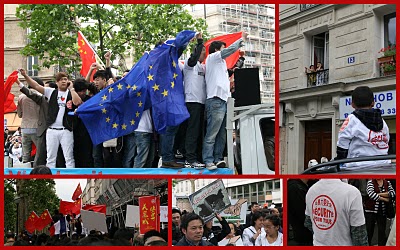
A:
x: 155, y: 81
x: 165, y: 82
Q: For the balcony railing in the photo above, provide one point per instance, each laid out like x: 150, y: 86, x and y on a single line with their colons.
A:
x: 317, y: 78
x: 304, y: 7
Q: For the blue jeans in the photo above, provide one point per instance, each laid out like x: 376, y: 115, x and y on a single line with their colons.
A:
x: 215, y: 139
x: 97, y: 153
x: 137, y: 146
x: 167, y: 143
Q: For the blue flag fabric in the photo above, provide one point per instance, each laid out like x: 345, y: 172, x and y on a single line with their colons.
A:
x: 155, y: 81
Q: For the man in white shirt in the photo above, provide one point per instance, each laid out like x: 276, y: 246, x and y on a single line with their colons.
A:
x: 195, y: 97
x: 59, y: 132
x: 218, y: 91
x: 334, y: 213
x: 364, y: 132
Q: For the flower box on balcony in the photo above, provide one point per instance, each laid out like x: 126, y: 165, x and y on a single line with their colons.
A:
x: 389, y: 73
x: 386, y: 59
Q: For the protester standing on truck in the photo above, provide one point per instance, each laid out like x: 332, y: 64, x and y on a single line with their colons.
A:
x: 218, y: 91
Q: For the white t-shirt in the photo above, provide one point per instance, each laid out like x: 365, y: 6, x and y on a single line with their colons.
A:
x: 145, y: 124
x: 361, y: 141
x: 248, y: 233
x: 334, y: 207
x: 195, y: 82
x: 217, y: 78
x: 62, y: 102
x: 262, y: 240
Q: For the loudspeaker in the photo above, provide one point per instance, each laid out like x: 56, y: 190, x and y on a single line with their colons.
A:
x: 247, y: 87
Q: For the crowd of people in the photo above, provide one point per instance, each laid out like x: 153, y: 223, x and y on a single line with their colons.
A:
x: 330, y: 212
x: 263, y: 227
x: 62, y: 140
x: 75, y: 234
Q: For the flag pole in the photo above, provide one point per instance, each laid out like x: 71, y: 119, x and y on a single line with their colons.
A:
x: 96, y: 55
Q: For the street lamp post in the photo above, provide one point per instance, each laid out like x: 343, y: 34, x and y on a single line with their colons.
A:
x: 17, y: 199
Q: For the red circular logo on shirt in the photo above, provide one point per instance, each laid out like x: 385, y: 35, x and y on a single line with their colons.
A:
x: 324, y: 213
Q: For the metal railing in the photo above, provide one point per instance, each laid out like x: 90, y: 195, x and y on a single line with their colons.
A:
x: 317, y: 78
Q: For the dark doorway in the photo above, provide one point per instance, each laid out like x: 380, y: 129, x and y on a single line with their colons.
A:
x: 318, y: 140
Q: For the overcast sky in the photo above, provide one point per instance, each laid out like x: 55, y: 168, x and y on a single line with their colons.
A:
x: 66, y: 187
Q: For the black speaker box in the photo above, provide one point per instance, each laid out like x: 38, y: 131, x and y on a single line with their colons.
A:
x: 247, y: 87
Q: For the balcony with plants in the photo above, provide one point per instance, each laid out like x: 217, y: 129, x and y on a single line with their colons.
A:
x: 387, y: 62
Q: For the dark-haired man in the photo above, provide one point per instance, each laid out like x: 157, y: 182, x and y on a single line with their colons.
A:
x: 364, y: 132
x: 60, y: 124
x: 218, y: 91
x: 28, y: 110
x: 192, y: 227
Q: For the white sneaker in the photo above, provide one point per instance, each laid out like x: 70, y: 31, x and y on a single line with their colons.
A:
x: 197, y: 165
x: 221, y: 164
x: 211, y: 166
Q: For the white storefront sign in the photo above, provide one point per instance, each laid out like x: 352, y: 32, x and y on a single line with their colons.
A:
x: 385, y: 101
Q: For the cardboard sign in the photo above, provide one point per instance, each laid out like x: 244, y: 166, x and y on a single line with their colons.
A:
x: 209, y: 200
x: 235, y: 212
x: 94, y: 221
x: 132, y: 215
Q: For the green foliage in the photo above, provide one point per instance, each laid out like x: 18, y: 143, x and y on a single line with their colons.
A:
x: 10, y: 207
x: 120, y: 28
x: 39, y: 194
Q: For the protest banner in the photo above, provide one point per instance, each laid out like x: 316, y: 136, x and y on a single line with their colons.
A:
x: 149, y: 209
x: 209, y: 200
x: 94, y: 221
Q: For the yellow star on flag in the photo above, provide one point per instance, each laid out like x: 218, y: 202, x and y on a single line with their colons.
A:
x: 104, y: 97
x: 140, y: 104
x: 172, y: 84
x: 108, y: 119
x: 155, y: 87
x: 165, y: 93
x: 174, y: 64
x: 119, y: 86
x: 123, y: 126
x: 129, y: 86
x: 150, y: 66
x: 110, y: 90
x: 104, y: 110
x: 150, y: 77
x: 83, y: 42
x: 139, y: 94
x: 132, y: 122
x: 137, y: 113
x: 115, y: 125
x: 175, y: 75
x: 134, y: 87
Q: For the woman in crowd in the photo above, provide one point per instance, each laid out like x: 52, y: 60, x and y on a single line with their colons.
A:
x: 232, y: 238
x: 271, y: 236
x: 251, y: 233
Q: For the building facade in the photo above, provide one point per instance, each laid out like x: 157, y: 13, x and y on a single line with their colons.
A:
x: 346, y: 40
x: 259, y: 21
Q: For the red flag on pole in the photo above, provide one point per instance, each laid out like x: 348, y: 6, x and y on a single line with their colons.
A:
x: 96, y: 208
x: 52, y: 230
x: 78, y: 191
x: 30, y: 222
x: 228, y: 39
x: 67, y: 207
x: 44, y: 220
x: 87, y: 54
x: 9, y: 105
x: 149, y: 211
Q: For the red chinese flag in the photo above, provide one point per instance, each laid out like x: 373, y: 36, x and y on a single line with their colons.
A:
x: 87, y: 54
x: 67, y: 207
x: 149, y: 209
x: 96, y: 208
x: 228, y: 39
x: 44, y: 220
x: 78, y: 191
x: 30, y: 222
x: 52, y: 230
x: 9, y: 105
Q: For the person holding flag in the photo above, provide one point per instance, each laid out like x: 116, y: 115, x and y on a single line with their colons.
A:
x: 218, y: 91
